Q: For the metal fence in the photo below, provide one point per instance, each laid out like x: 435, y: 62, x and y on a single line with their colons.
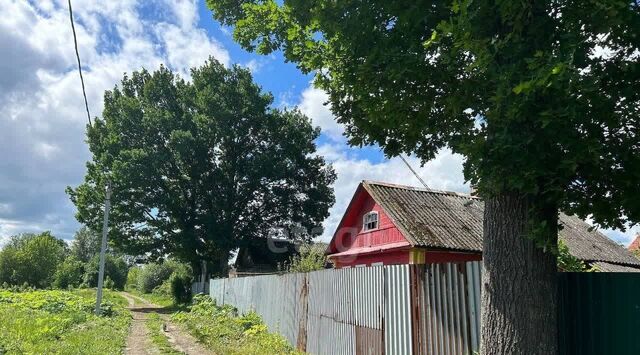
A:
x: 397, y: 309
x: 599, y: 313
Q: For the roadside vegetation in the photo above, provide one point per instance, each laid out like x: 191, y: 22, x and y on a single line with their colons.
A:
x: 165, y: 283
x: 61, y: 322
x: 43, y: 261
x: 223, y: 331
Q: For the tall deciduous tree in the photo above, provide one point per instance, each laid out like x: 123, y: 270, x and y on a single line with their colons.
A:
x: 202, y: 167
x: 31, y: 259
x: 85, y: 244
x: 541, y: 97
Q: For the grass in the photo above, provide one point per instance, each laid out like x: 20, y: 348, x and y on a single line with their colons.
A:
x: 107, y: 296
x: 224, y: 332
x: 61, y: 322
x: 154, y: 324
x: 155, y: 298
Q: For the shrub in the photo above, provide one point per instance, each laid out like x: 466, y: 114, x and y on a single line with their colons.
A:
x: 114, y: 267
x: 69, y: 273
x: 132, y: 277
x: 181, y: 287
x: 153, y: 275
x: 307, y: 261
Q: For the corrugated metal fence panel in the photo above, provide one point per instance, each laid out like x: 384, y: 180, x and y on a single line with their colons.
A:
x: 445, y: 304
x: 397, y: 310
x: 345, y: 306
x: 599, y: 313
x: 474, y: 287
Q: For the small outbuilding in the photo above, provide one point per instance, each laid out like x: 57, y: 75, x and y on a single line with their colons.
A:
x: 395, y: 224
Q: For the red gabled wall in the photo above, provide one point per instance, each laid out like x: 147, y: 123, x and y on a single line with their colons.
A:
x: 350, y: 235
x: 351, y: 246
x: 351, y: 242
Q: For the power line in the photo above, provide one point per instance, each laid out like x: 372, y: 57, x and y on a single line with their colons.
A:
x: 414, y: 172
x: 75, y: 42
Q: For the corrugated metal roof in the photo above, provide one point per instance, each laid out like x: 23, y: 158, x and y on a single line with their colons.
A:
x: 450, y: 220
x: 608, y: 267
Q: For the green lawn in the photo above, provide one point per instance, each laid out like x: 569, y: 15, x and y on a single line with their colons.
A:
x: 61, y: 322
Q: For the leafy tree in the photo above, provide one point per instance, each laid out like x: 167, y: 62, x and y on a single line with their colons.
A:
x: 199, y: 168
x: 307, y: 261
x: 115, y: 269
x: 31, y: 259
x: 69, y: 273
x: 568, y: 262
x: 541, y: 97
x: 86, y: 244
x: 132, y: 277
x: 153, y: 275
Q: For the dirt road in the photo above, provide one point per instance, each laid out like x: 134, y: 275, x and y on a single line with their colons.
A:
x: 139, y: 341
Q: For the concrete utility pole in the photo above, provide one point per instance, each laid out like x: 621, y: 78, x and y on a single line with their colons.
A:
x: 103, y: 247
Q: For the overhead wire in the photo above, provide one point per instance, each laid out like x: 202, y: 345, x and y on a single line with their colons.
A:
x: 75, y: 42
x: 414, y: 172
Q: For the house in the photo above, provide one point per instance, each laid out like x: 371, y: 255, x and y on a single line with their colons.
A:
x: 271, y: 256
x: 635, y: 245
x: 394, y: 224
x: 263, y: 256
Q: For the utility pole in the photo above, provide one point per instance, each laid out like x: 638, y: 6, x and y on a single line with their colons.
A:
x: 103, y: 247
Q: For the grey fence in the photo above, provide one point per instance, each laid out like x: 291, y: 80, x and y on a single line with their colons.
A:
x: 398, y: 309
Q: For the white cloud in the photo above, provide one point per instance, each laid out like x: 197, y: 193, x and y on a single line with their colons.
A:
x: 254, y: 65
x: 42, y: 115
x: 313, y: 105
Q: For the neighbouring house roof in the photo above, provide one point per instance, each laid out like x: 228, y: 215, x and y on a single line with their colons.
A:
x: 635, y: 245
x: 453, y: 221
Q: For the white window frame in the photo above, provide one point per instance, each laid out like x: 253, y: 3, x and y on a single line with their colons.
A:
x: 366, y: 222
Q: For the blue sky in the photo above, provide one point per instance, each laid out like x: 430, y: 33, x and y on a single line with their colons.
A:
x: 42, y: 118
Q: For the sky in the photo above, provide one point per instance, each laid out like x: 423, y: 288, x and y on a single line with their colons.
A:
x: 43, y: 119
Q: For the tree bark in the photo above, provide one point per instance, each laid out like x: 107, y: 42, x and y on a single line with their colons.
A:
x: 519, y: 292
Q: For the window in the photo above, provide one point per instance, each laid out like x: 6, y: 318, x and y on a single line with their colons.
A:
x: 370, y: 221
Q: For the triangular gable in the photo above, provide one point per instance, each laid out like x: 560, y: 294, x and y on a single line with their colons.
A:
x: 351, y: 214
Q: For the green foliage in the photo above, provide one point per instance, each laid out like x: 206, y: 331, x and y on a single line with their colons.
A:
x: 115, y: 269
x: 224, y: 332
x: 132, y: 277
x: 153, y: 275
x: 541, y: 97
x: 86, y: 244
x: 200, y: 166
x: 308, y: 261
x: 70, y: 273
x: 58, y: 322
x: 568, y: 262
x: 181, y: 287
x: 31, y: 259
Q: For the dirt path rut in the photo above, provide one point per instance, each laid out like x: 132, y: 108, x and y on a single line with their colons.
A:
x: 139, y: 341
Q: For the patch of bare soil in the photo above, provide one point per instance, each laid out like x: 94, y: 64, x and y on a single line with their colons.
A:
x: 179, y: 339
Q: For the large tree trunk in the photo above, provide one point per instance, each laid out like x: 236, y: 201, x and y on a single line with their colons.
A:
x: 518, y: 282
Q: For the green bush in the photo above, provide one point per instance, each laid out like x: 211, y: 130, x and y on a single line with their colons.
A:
x: 307, y: 261
x: 181, y: 287
x: 31, y: 259
x: 115, y: 268
x: 69, y: 273
x: 153, y: 275
x: 132, y: 277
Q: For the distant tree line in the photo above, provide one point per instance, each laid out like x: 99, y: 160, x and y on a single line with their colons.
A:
x: 44, y: 261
